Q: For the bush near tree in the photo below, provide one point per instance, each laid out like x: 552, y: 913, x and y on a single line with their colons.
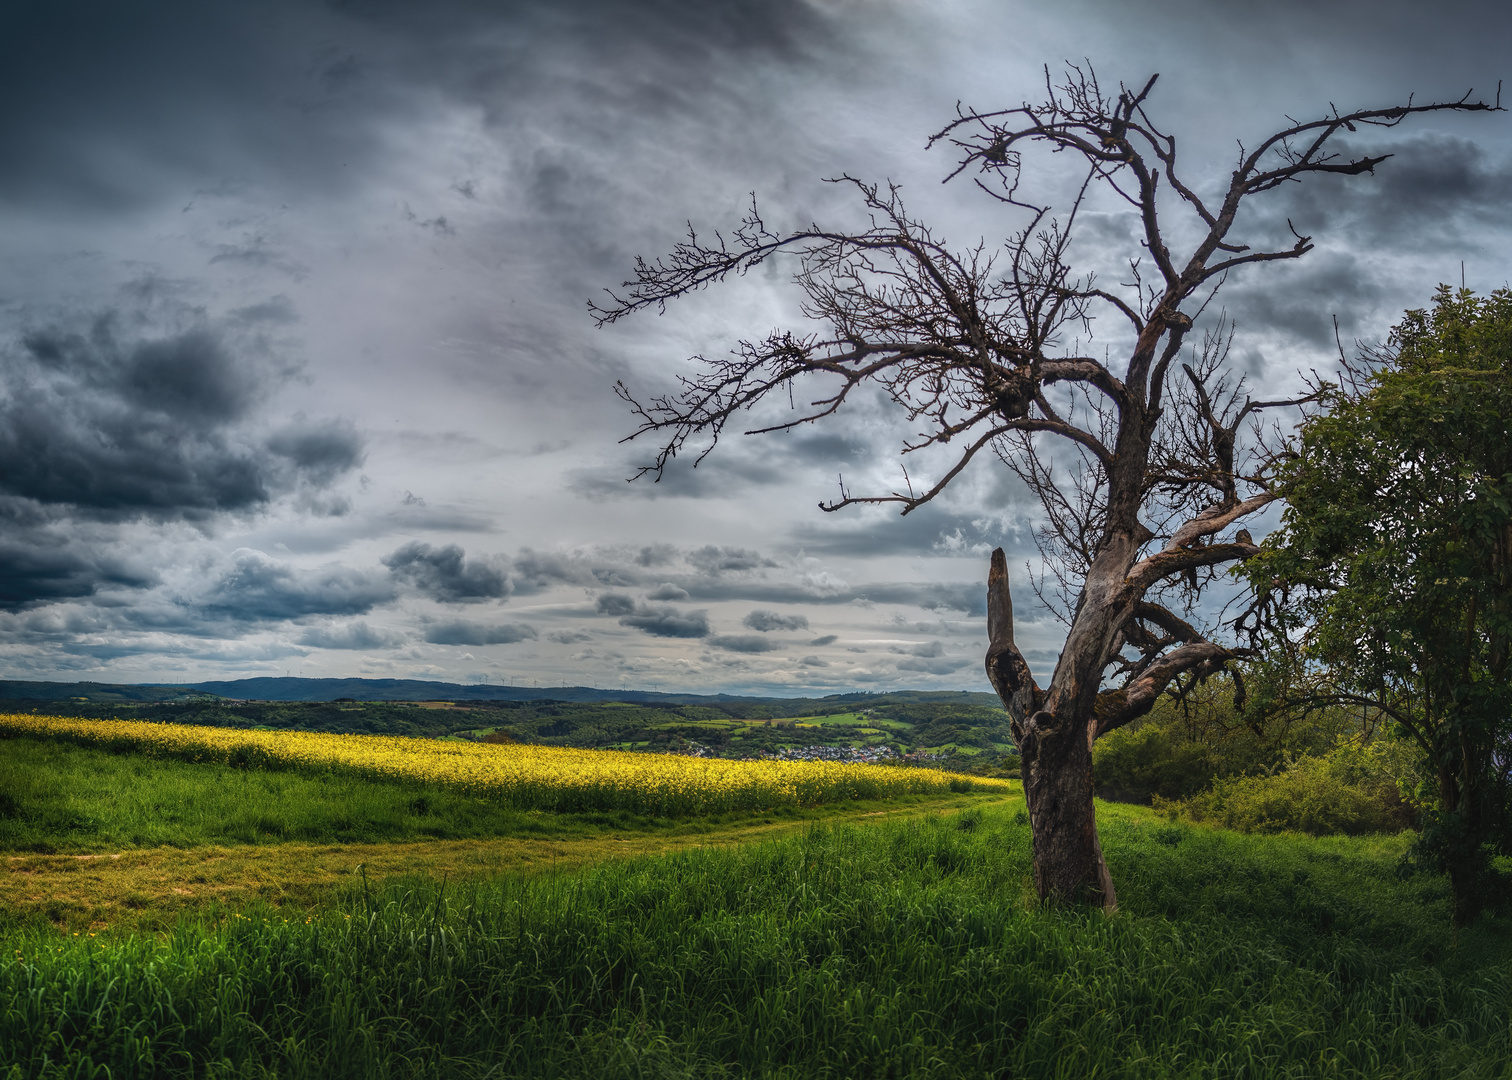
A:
x: 1322, y: 771
x: 1352, y: 790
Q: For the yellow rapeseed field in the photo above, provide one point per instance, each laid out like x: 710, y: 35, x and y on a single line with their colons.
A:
x: 529, y: 777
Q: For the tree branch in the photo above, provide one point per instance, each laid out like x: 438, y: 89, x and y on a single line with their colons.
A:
x: 1170, y: 562
x: 1138, y: 696
x: 913, y: 502
x: 1007, y: 669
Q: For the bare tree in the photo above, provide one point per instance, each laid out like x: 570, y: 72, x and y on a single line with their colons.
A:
x: 987, y: 354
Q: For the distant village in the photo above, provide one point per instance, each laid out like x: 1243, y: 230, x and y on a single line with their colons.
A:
x: 867, y: 754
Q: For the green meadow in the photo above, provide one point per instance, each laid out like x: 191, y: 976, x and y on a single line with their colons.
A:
x: 886, y: 941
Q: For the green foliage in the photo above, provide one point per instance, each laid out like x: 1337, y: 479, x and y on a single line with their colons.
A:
x: 1180, y: 748
x: 894, y: 950
x: 1152, y: 760
x: 1352, y: 791
x: 1391, y: 578
x: 1319, y: 771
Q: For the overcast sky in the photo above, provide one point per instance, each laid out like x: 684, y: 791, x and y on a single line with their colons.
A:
x: 296, y: 370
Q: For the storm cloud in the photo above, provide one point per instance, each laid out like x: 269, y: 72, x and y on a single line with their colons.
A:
x: 36, y: 567
x: 615, y: 604
x: 294, y: 361
x: 462, y: 632
x: 104, y: 419
x: 353, y: 635
x: 445, y: 574
x: 766, y: 621
x: 260, y: 588
x: 663, y: 620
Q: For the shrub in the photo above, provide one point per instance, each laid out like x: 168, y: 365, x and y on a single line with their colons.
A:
x: 1135, y: 763
x: 1352, y: 790
x: 1181, y: 748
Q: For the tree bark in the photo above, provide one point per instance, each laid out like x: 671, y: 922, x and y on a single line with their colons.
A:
x: 1056, y: 754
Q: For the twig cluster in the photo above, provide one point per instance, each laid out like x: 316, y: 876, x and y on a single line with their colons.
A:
x: 983, y: 352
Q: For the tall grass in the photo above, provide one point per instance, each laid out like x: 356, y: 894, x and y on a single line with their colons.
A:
x: 907, y: 949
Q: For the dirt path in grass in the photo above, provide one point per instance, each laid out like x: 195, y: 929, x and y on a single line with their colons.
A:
x: 148, y: 888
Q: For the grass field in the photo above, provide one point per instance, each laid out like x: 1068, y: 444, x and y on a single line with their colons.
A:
x: 91, y: 839
x: 139, y: 890
x: 902, y: 949
x: 898, y: 938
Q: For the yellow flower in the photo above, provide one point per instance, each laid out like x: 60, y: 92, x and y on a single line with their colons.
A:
x: 529, y: 777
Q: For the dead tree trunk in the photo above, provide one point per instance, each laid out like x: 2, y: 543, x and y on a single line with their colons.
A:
x: 1056, y: 751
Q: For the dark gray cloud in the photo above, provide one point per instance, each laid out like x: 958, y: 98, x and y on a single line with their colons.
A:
x: 259, y: 588
x: 37, y: 566
x: 445, y: 574
x: 462, y: 632
x: 1297, y: 304
x: 827, y: 639
x: 354, y: 635
x: 534, y: 570
x: 152, y: 410
x: 196, y: 88
x: 658, y: 620
x: 1435, y: 191
x: 635, y: 44
x: 667, y: 591
x: 767, y: 621
x: 744, y: 643
x: 294, y: 92
x: 567, y: 637
x: 1433, y: 203
x: 615, y: 604
x: 320, y: 450
x: 928, y: 650
x: 719, y: 560
x: 667, y: 621
x: 656, y: 555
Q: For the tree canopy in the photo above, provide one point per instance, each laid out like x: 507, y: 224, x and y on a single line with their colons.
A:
x: 1389, y: 584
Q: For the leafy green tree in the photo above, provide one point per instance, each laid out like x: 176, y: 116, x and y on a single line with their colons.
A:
x: 1389, y: 584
